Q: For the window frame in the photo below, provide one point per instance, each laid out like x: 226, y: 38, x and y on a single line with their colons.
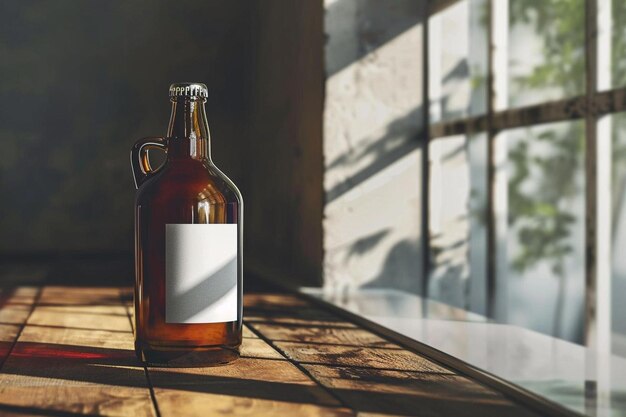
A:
x: 592, y: 107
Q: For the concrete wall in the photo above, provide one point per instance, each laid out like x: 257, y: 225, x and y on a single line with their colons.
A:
x: 372, y: 162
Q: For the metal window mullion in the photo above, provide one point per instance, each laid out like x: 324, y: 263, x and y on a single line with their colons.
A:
x: 600, y: 103
x: 556, y: 111
x: 597, y: 328
x: 609, y: 101
x: 497, y: 78
x: 590, y: 177
x: 490, y: 257
x: 603, y: 178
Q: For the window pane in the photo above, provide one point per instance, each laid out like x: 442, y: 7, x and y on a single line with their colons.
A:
x: 618, y: 220
x: 541, y: 260
x: 458, y: 238
x: 546, y: 50
x: 458, y: 61
x: 618, y: 40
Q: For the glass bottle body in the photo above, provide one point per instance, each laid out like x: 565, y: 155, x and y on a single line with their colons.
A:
x: 187, y: 190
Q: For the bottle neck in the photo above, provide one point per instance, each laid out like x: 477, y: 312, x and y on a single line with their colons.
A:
x: 188, y: 131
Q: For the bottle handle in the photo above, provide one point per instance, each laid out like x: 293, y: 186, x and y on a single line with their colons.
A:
x: 139, y: 161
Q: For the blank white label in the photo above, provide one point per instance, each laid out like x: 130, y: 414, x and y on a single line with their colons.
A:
x: 200, y: 273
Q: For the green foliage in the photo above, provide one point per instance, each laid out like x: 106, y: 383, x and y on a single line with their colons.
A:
x: 618, y: 73
x: 618, y: 39
x: 560, y: 24
x: 543, y: 220
x: 540, y: 214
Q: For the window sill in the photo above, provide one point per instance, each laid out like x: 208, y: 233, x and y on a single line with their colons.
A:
x: 572, y: 376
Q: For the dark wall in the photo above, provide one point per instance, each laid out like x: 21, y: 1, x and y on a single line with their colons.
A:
x: 285, y: 195
x: 81, y: 81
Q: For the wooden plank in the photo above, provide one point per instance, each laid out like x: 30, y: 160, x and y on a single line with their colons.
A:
x: 75, y: 355
x: 101, y: 297
x: 301, y: 318
x: 413, y: 393
x: 177, y: 403
x: 369, y: 374
x: 347, y: 336
x: 365, y: 356
x: 8, y: 334
x: 273, y: 301
x: 18, y: 296
x: 255, y: 348
x: 111, y: 318
x: 261, y: 383
x: 248, y: 334
x: 288, y: 309
x: 14, y: 314
x: 15, y: 306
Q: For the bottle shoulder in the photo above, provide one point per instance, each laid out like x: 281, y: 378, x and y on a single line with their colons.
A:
x: 226, y: 182
x: 195, y: 180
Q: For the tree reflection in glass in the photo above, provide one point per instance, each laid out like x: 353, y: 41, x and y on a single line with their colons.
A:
x: 545, y: 166
x: 545, y: 227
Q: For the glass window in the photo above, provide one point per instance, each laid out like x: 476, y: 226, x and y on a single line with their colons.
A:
x: 539, y: 197
x: 458, y: 61
x: 546, y: 55
x: 540, y: 255
x: 618, y: 41
x: 618, y: 220
x: 457, y: 207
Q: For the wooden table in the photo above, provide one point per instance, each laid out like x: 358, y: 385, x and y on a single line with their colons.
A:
x: 68, y: 351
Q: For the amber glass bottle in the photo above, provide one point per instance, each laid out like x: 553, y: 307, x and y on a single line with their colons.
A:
x: 188, y: 244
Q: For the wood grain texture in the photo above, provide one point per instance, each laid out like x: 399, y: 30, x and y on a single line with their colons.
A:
x: 179, y: 403
x: 288, y: 309
x: 370, y: 375
x: 15, y: 306
x: 248, y: 334
x: 389, y: 392
x: 316, y: 333
x: 371, y: 357
x: 74, y: 356
x: 262, y: 382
